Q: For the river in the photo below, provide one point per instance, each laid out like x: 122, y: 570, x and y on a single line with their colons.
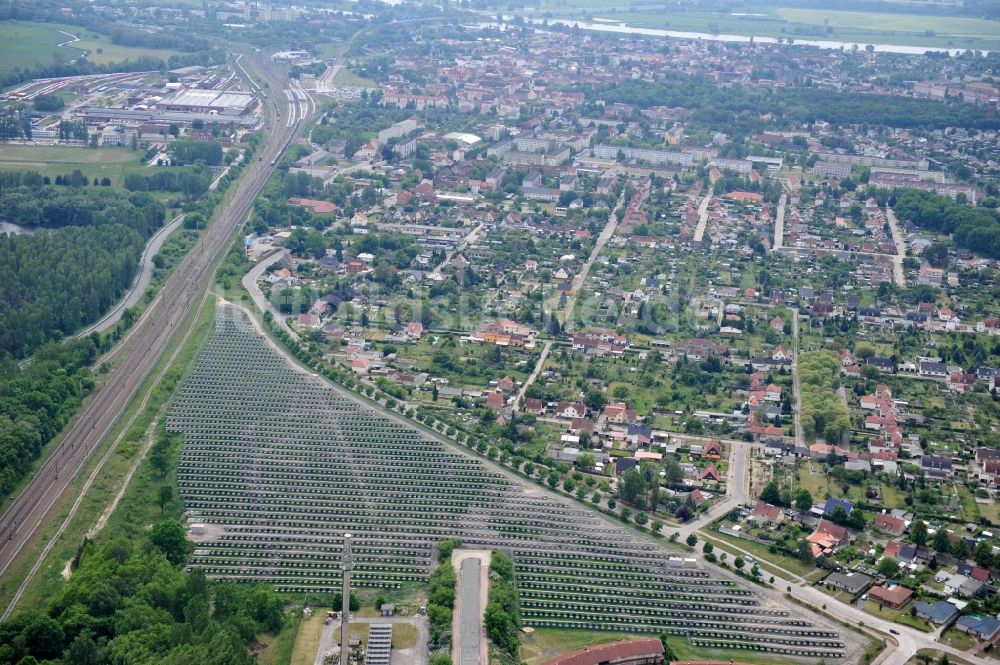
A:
x: 623, y: 28
x: 16, y: 229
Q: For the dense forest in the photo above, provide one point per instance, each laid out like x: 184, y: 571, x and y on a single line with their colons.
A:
x: 188, y: 152
x: 127, y: 603
x: 37, y: 400
x: 740, y: 107
x: 975, y: 229
x: 190, y: 183
x: 157, y: 40
x: 28, y: 203
x: 56, y: 282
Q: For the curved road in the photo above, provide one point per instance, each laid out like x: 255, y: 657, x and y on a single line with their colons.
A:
x: 141, y: 350
x: 141, y: 281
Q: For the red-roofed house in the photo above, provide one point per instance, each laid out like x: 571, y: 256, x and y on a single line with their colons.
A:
x: 648, y: 651
x: 765, y: 512
x: 534, y: 405
x: 494, y: 400
x: 891, y: 525
x: 894, y: 597
x: 713, y: 450
x: 619, y: 413
x: 827, y: 537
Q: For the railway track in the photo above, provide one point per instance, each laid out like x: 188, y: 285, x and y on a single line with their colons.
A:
x: 143, y: 347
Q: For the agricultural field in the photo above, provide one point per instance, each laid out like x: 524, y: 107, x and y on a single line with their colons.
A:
x: 295, y: 464
x: 799, y: 23
x: 27, y: 45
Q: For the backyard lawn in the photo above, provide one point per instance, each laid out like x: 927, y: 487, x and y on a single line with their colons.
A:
x: 899, y: 616
x: 782, y: 564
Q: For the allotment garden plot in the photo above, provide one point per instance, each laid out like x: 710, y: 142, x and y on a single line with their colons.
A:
x: 278, y: 466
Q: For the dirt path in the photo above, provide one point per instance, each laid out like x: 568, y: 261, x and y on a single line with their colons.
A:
x: 699, y: 231
x: 581, y: 279
x: 779, y: 223
x: 796, y: 387
x: 518, y: 403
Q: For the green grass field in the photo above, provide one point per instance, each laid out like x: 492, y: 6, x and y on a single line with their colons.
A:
x: 28, y: 45
x: 544, y: 643
x: 102, y: 51
x: 800, y: 24
x: 113, y: 163
x: 24, y: 45
x: 345, y: 77
x: 942, y: 25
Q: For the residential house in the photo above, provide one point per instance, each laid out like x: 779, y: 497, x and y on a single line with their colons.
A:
x: 619, y: 413
x: 936, y: 468
x: 983, y: 628
x: 890, y: 525
x: 894, y: 596
x: 827, y: 538
x: 570, y: 410
x: 853, y: 583
x: 766, y: 513
x: 939, y: 613
x: 833, y: 504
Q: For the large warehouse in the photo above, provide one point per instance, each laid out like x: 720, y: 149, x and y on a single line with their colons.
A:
x: 211, y: 101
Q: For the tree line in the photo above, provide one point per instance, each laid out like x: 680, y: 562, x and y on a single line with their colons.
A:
x: 36, y: 400
x: 502, y: 616
x: 127, y: 602
x: 976, y: 229
x: 160, y: 40
x: 740, y: 107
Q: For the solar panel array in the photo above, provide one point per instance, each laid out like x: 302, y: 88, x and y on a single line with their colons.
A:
x: 278, y: 466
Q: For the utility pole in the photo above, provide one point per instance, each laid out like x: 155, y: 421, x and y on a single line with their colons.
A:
x: 346, y: 563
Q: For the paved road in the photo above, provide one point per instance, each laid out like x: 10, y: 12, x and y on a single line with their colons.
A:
x: 459, y: 248
x: 262, y: 303
x: 779, y: 223
x: 908, y: 641
x: 470, y: 645
x: 327, y: 641
x: 468, y: 627
x: 136, y: 356
x: 736, y: 490
x: 897, y: 238
x: 699, y: 231
x: 141, y: 281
